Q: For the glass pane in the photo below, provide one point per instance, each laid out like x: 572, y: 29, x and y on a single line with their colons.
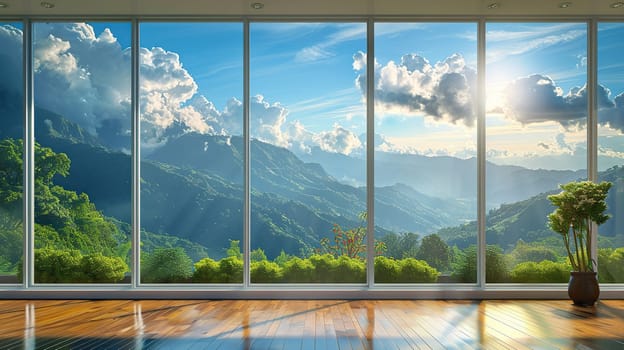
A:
x: 191, y: 83
x: 308, y: 172
x: 536, y: 128
x: 82, y: 152
x: 11, y: 152
x: 611, y: 149
x: 425, y: 152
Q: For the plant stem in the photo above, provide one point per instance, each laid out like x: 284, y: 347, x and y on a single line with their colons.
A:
x: 583, y: 262
x: 566, y: 240
x: 576, y: 246
x: 589, y: 244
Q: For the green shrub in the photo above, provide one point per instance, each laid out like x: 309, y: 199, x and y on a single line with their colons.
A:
x: 416, y: 271
x: 408, y: 270
x: 97, y: 268
x: 57, y: 266
x: 387, y: 270
x: 545, y: 271
x: 616, y: 265
x: 265, y: 272
x: 349, y: 270
x: 206, y: 271
x: 166, y: 265
x: 611, y: 265
x: 230, y: 270
x: 70, y: 266
x: 297, y: 270
x: 324, y: 267
x: 604, y: 274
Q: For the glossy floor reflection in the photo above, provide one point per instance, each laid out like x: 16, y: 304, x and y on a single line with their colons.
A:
x: 309, y: 324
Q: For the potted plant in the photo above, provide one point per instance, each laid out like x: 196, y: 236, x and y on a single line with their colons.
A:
x: 579, y: 205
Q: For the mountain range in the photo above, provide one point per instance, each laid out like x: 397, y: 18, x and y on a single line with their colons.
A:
x: 444, y: 176
x: 192, y: 190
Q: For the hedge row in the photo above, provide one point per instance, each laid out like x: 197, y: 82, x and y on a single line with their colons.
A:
x: 315, y: 269
x: 545, y: 271
x: 70, y: 266
x: 172, y: 265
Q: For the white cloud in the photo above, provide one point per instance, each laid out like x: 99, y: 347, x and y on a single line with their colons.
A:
x: 83, y: 77
x: 444, y: 91
x: 312, y: 53
x: 166, y: 90
x: 338, y: 140
x: 537, y: 98
x: 86, y: 77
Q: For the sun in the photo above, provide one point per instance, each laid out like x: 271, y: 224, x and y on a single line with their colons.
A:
x: 495, y: 84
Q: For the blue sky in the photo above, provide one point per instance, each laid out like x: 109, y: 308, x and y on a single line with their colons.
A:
x: 307, y: 84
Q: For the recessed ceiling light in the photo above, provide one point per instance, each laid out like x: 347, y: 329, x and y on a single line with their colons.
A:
x: 47, y: 5
x: 565, y: 5
x: 617, y: 5
x: 493, y: 5
x: 257, y: 5
x: 3, y: 5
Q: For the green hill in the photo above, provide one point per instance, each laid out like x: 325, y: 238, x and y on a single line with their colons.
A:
x: 527, y: 219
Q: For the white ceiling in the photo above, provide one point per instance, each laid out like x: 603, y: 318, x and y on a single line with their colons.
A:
x: 312, y: 7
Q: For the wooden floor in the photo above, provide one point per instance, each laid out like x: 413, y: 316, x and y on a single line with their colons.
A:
x: 309, y: 324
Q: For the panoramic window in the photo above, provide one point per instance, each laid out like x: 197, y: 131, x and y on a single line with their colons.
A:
x: 11, y: 152
x: 192, y: 154
x: 425, y: 152
x: 308, y: 167
x: 82, y: 152
x: 536, y: 131
x: 610, y: 97
x: 307, y: 106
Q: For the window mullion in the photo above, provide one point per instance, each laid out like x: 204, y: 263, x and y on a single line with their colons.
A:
x: 481, y: 96
x: 370, y: 152
x: 247, y: 162
x: 28, y: 217
x: 136, y: 157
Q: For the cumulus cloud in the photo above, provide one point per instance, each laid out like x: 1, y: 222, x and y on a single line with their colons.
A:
x: 613, y: 117
x: 84, y: 77
x: 338, y: 140
x: 537, y: 98
x: 444, y: 91
x: 166, y: 92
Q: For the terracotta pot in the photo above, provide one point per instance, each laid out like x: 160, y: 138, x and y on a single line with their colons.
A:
x: 583, y: 288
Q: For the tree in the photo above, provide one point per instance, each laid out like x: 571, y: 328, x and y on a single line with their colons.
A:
x: 257, y: 255
x: 525, y: 252
x: 11, y: 183
x: 64, y: 220
x: 495, y: 265
x: 234, y: 249
x: 435, y: 252
x: 350, y: 242
x: 409, y: 244
x: 404, y: 245
x: 578, y: 206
